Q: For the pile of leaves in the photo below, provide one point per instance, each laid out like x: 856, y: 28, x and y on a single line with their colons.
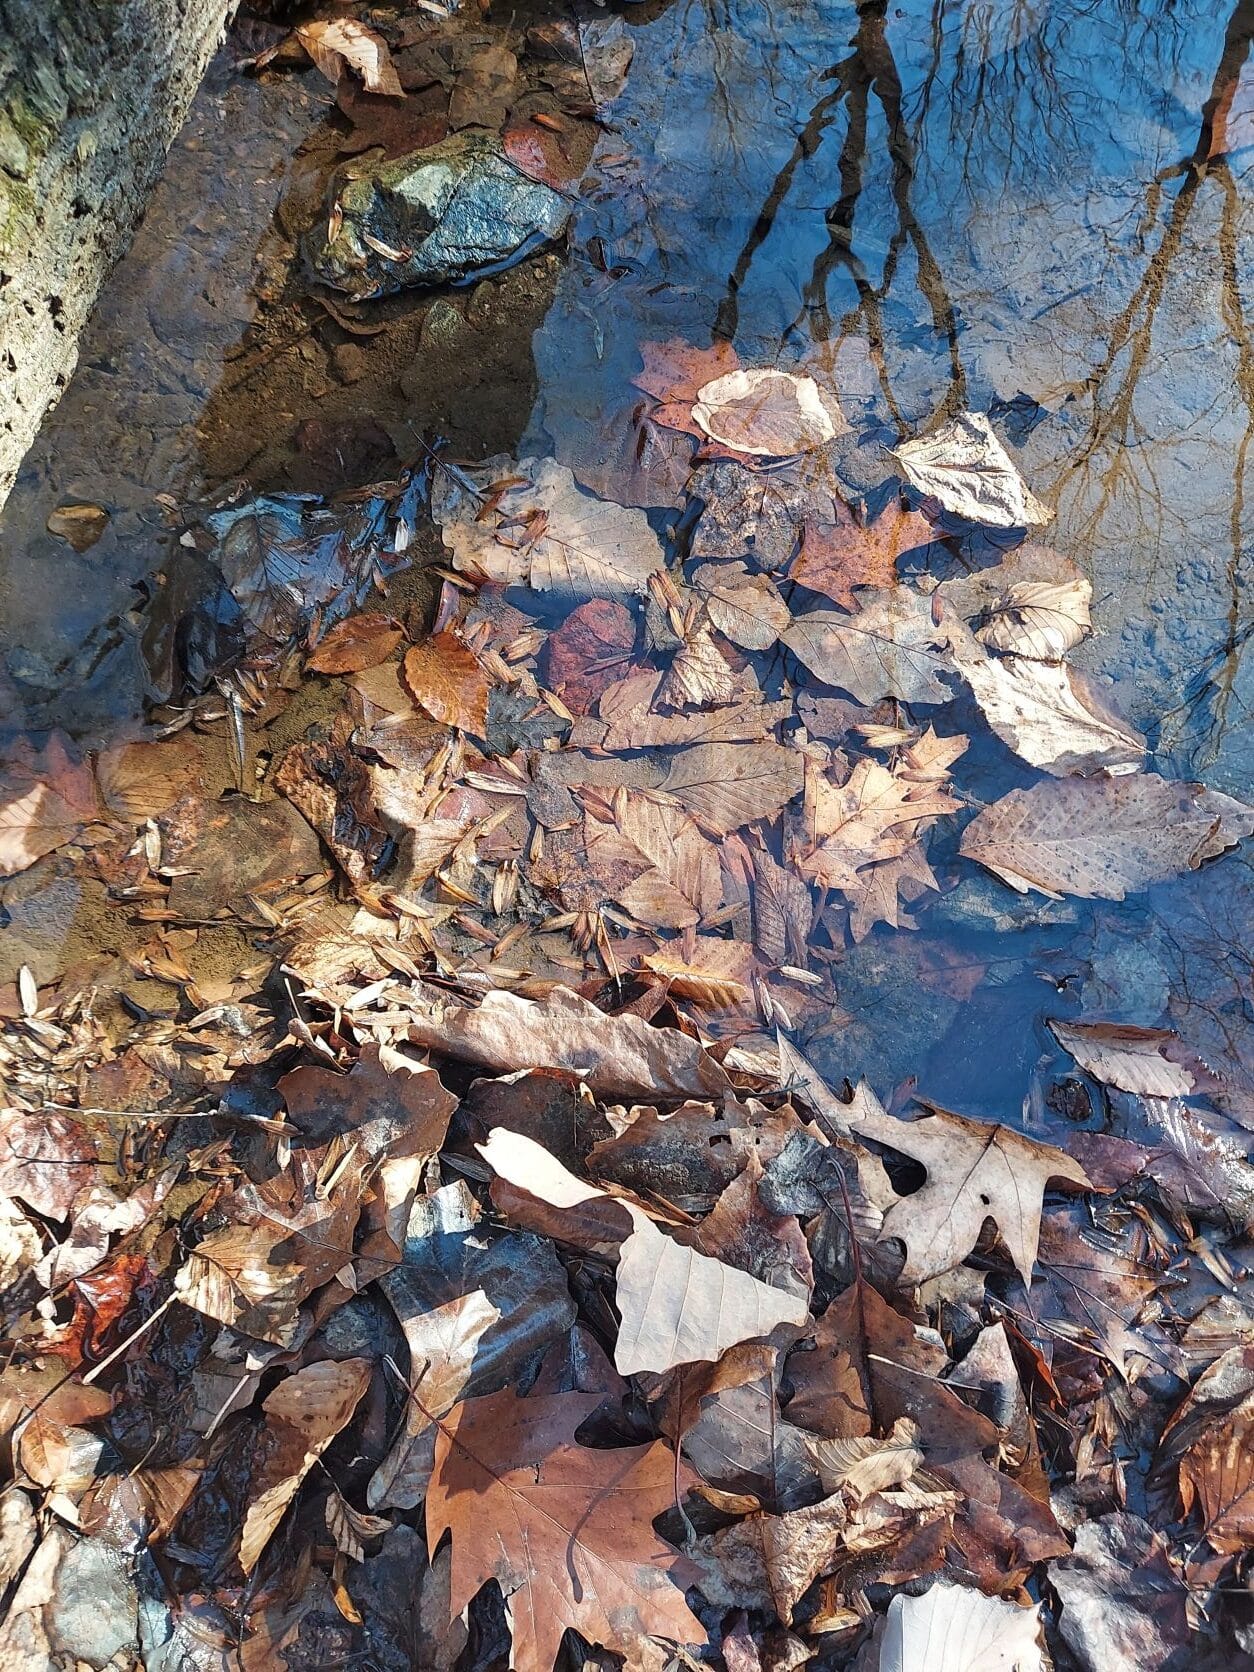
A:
x: 479, y: 1272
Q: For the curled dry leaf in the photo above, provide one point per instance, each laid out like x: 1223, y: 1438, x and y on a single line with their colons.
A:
x: 617, y: 1056
x: 699, y: 675
x: 537, y: 527
x: 363, y: 641
x: 1133, y: 1059
x: 965, y: 466
x: 446, y: 679
x: 770, y: 413
x: 344, y: 41
x: 860, y: 1464
x: 1040, y: 619
x: 953, y: 1629
x: 1050, y: 715
x: 567, y: 1532
x: 1103, y: 838
x: 891, y: 648
x: 303, y: 1415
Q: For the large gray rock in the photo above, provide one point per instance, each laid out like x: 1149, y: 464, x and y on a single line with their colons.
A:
x: 450, y: 212
x: 90, y: 98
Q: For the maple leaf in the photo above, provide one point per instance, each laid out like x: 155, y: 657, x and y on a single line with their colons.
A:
x: 565, y: 1531
x: 673, y: 372
x: 837, y: 556
x: 875, y: 815
x: 46, y: 798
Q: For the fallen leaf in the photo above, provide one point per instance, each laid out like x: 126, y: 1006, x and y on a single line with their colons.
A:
x: 1040, y: 619
x: 303, y: 1415
x: 1048, y: 714
x: 46, y: 797
x: 81, y: 525
x: 953, y: 1629
x: 542, y: 530
x: 698, y: 676
x: 618, y: 1056
x: 143, y: 780
x: 965, y: 466
x: 565, y: 1531
x: 891, y: 648
x: 363, y: 641
x: 1123, y: 1604
x: 631, y: 723
x: 1103, y: 838
x: 837, y: 556
x: 680, y: 1307
x: 769, y: 1562
x: 1217, y: 1475
x: 1134, y: 1059
x: 45, y: 1160
x: 586, y: 654
x: 674, y: 371
x: 747, y: 608
x: 875, y: 815
x: 343, y: 41
x: 484, y: 90
x: 767, y: 412
x: 685, y: 860
x: 727, y: 785
x: 446, y: 679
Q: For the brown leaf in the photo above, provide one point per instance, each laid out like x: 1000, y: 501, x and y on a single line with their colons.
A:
x: 1217, y: 1474
x: 770, y: 1561
x: 397, y: 1105
x: 1134, y: 1059
x: 746, y: 608
x: 484, y: 89
x: 1041, y: 619
x: 675, y: 370
x: 81, y: 525
x: 627, y: 709
x: 567, y: 1532
x: 303, y: 1415
x: 344, y: 42
x: 45, y: 1160
x: 727, y: 785
x: 891, y: 648
x: 363, y: 641
x: 333, y: 787
x: 681, y: 857
x: 142, y: 780
x: 1123, y: 1604
x: 1103, y: 838
x: 46, y: 797
x: 836, y: 557
x: 586, y: 654
x: 618, y: 1056
x: 447, y: 680
x: 699, y: 675
x: 1050, y: 715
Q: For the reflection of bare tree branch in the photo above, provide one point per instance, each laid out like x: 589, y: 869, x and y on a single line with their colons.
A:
x: 870, y: 68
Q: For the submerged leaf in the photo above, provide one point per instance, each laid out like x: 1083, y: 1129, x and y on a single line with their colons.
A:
x: 767, y: 412
x: 965, y: 466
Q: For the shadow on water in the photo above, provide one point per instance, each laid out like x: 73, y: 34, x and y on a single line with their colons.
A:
x: 1040, y: 211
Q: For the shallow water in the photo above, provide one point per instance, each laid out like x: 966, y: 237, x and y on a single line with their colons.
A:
x: 1039, y: 211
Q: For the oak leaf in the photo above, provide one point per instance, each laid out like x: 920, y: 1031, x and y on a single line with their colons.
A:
x: 1103, y: 838
x: 566, y: 1532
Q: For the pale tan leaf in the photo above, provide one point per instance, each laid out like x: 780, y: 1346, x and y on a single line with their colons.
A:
x: 627, y: 709
x: 891, y: 648
x: 861, y: 1464
x: 345, y: 41
x: 681, y: 1307
x: 698, y: 676
x: 543, y: 531
x: 965, y: 466
x: 767, y: 412
x: 727, y: 785
x: 1050, y: 716
x: 1041, y: 619
x: 667, y: 837
x: 953, y: 1629
x: 1103, y: 838
x: 1130, y: 1058
x: 747, y: 608
x: 303, y: 1415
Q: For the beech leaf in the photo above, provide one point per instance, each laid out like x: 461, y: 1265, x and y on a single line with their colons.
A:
x: 891, y: 648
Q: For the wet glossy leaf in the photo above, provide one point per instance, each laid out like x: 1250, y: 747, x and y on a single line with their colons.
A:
x: 362, y: 641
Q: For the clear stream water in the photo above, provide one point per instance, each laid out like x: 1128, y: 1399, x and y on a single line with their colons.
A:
x: 1040, y: 210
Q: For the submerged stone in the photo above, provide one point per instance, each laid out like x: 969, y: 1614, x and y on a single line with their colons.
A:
x: 442, y: 215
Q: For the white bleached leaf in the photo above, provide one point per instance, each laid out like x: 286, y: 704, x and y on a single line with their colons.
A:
x: 965, y: 466
x: 953, y: 1629
x: 1047, y: 714
x: 767, y: 412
